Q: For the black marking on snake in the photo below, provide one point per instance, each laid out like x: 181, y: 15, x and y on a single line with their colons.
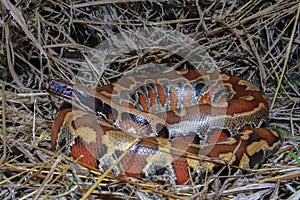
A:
x: 256, y: 158
x: 159, y: 170
x: 102, y: 151
x: 162, y: 131
x: 73, y: 125
x: 102, y: 107
x: 198, y: 88
x: 137, y: 119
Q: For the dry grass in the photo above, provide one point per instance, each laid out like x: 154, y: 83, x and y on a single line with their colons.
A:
x: 256, y: 40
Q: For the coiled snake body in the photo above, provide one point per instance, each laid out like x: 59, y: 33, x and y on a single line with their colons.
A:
x: 186, y: 122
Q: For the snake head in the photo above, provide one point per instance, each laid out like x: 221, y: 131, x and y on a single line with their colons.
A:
x: 81, y: 97
x: 61, y: 89
x: 74, y: 94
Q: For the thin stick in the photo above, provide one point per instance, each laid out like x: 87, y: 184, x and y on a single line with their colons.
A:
x: 3, y: 126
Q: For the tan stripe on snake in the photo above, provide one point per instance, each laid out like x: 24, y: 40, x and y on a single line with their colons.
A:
x: 187, y: 122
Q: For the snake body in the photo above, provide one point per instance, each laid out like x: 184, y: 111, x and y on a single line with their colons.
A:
x: 175, y: 125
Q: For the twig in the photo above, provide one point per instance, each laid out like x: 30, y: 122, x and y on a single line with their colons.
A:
x: 4, y: 136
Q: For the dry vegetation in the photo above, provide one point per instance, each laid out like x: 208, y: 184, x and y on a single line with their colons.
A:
x: 257, y: 40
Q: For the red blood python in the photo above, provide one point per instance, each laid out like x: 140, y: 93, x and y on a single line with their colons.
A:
x: 187, y: 122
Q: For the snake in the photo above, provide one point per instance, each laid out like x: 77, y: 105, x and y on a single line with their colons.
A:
x: 173, y: 126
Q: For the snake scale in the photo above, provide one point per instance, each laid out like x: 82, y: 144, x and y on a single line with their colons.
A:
x: 176, y: 125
